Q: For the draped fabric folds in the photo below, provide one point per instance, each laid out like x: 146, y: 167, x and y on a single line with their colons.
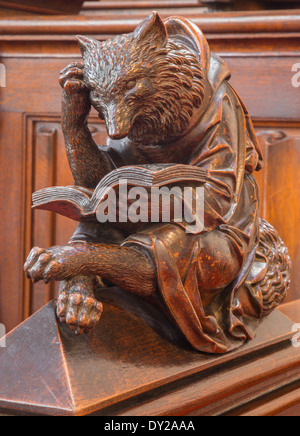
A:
x: 202, y: 277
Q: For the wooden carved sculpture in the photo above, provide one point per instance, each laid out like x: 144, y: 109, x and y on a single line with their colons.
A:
x: 168, y: 106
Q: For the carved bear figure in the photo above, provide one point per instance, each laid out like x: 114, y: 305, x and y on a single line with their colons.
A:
x: 165, y: 98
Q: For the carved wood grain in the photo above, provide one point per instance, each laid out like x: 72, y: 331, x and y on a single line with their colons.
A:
x: 56, y: 230
x: 259, y: 47
x: 50, y: 7
x: 12, y: 225
x: 43, y: 224
x: 50, y: 168
x: 280, y: 191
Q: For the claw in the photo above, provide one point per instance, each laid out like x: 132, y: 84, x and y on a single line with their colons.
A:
x: 72, y: 65
x: 79, y: 331
x: 61, y: 308
x: 73, y: 73
x: 35, y: 252
x: 49, y: 271
x: 80, y: 312
x: 73, y: 84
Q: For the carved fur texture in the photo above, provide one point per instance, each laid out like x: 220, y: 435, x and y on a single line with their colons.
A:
x: 166, y: 77
x: 166, y: 99
x: 274, y: 280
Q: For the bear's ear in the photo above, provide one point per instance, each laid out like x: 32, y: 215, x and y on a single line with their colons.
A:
x: 152, y: 29
x: 186, y: 32
x: 87, y: 44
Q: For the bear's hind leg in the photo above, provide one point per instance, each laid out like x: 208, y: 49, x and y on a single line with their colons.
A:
x: 271, y: 269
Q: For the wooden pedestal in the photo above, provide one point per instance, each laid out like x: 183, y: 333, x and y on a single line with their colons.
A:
x: 125, y: 367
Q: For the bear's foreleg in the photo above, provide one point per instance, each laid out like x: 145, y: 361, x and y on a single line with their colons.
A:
x: 125, y: 267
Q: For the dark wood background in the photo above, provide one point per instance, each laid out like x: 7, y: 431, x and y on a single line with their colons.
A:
x: 261, y: 49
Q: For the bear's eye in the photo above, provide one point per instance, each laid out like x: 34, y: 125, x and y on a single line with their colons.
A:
x: 131, y: 84
x: 95, y: 95
x: 101, y: 116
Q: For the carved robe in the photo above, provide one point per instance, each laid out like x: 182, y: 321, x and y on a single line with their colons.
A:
x: 202, y: 277
x: 207, y: 281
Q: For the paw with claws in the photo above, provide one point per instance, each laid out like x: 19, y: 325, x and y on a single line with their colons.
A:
x: 71, y: 78
x: 56, y: 263
x: 76, y: 95
x: 77, y: 305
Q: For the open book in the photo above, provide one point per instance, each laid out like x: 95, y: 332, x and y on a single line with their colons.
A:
x: 80, y: 203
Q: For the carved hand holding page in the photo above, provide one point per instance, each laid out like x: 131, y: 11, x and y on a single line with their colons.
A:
x: 173, y: 121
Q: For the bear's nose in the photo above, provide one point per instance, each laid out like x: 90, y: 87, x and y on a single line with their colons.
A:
x: 117, y: 123
x: 117, y: 134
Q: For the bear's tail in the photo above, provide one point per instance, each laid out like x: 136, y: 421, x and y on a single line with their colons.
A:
x: 272, y: 264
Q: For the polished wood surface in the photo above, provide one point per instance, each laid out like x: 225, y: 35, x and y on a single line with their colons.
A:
x: 51, y: 7
x: 160, y: 105
x: 260, y: 48
x: 126, y: 368
x: 291, y: 310
x: 243, y: 23
x: 280, y: 187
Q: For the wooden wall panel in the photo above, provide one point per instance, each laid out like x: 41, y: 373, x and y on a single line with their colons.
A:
x: 12, y: 224
x: 51, y: 7
x: 264, y: 81
x: 280, y: 191
x: 282, y: 195
x: 42, y: 225
x: 50, y: 168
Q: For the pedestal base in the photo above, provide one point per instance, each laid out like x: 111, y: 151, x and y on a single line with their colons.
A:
x: 126, y: 368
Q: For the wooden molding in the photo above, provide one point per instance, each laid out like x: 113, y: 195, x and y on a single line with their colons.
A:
x: 140, y: 4
x: 218, y: 23
x: 48, y: 7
